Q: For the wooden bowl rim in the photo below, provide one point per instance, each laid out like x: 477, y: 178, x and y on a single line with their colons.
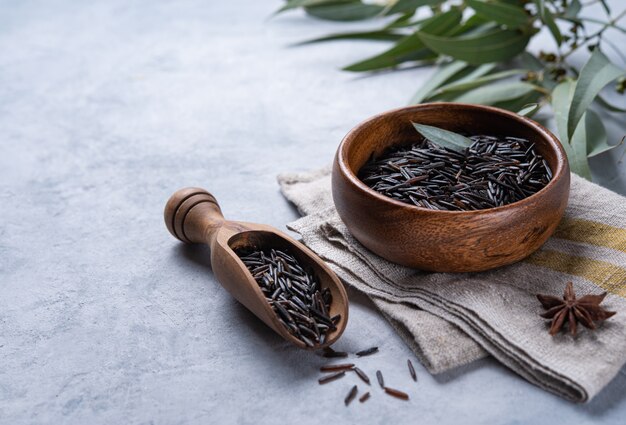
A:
x: 553, y: 142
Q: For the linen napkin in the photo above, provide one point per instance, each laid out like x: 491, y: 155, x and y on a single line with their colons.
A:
x: 450, y: 319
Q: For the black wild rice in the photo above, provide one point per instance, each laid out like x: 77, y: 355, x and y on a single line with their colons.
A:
x: 411, y: 370
x: 362, y: 375
x: 397, y: 393
x: 379, y: 377
x: 328, y: 378
x: 351, y: 395
x: 295, y: 295
x: 492, y: 172
x: 364, y: 397
x: 367, y: 352
x: 336, y: 367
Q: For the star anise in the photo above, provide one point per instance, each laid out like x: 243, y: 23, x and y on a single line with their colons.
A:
x: 585, y: 310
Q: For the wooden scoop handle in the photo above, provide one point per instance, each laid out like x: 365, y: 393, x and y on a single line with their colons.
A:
x: 193, y: 215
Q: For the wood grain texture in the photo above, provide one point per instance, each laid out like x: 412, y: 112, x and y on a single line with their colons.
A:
x: 447, y: 241
x: 193, y: 215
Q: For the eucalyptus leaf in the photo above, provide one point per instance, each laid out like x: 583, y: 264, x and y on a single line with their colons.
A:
x: 470, y: 73
x: 404, y: 6
x: 606, y: 105
x: 440, y: 76
x: 577, y: 155
x: 492, y: 94
x: 511, y: 2
x: 518, y: 103
x: 443, y: 138
x: 478, y: 72
x: 381, y: 35
x: 502, y: 13
x: 595, y: 74
x: 548, y: 82
x: 530, y: 62
x: 443, y: 23
x: 572, y: 10
x: 561, y: 102
x: 469, y: 84
x: 472, y: 27
x: 548, y: 19
x: 404, y: 21
x: 576, y: 147
x: 497, y: 45
x: 476, y: 20
x: 443, y: 97
x: 597, y: 140
x: 390, y: 59
x: 344, y: 11
x: 411, y: 47
x: 528, y: 110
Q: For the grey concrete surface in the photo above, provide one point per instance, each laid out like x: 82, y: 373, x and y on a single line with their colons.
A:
x: 106, y: 108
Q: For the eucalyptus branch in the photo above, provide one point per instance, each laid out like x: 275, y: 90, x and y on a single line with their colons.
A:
x: 473, y: 44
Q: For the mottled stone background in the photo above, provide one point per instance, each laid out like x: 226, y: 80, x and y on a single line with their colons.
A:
x: 106, y: 108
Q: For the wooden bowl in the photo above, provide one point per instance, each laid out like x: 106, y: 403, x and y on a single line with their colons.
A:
x: 447, y: 241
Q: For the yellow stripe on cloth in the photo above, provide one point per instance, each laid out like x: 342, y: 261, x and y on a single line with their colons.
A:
x: 608, y: 276
x: 592, y: 232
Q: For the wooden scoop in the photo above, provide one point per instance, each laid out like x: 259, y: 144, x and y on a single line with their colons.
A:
x: 194, y: 216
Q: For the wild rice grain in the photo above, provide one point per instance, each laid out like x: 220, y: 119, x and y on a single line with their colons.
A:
x: 411, y: 370
x: 328, y: 378
x: 351, y: 395
x: 364, y: 397
x: 396, y: 393
x: 367, y: 352
x: 379, y: 377
x: 337, y: 367
x: 362, y: 375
